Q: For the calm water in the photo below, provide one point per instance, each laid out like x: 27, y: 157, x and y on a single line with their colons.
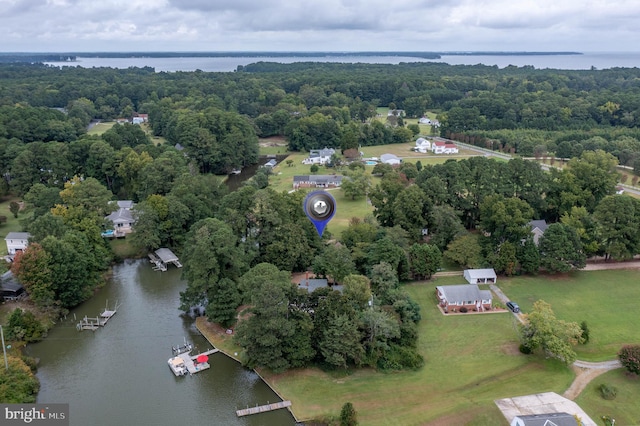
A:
x: 599, y: 60
x: 119, y: 375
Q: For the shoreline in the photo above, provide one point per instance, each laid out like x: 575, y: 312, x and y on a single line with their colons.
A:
x: 212, y: 337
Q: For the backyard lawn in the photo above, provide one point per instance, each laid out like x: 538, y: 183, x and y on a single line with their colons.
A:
x: 12, y: 224
x: 605, y: 299
x: 470, y: 361
x: 624, y: 408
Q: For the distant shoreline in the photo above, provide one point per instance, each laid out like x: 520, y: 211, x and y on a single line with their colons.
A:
x: 18, y: 57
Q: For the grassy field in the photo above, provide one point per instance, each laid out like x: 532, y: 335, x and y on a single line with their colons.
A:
x: 101, y: 127
x: 605, y: 299
x: 470, y: 361
x: 624, y: 408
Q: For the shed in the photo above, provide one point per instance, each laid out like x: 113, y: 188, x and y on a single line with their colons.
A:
x: 271, y: 163
x: 10, y: 287
x: 480, y: 276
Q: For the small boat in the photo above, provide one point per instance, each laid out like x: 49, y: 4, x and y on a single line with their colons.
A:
x: 177, y: 362
x: 236, y: 171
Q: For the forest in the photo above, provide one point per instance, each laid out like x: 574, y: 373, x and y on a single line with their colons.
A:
x: 239, y: 248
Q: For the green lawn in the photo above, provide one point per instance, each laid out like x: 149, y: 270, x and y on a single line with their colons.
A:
x: 624, y: 409
x: 101, y: 127
x: 605, y: 299
x: 470, y: 361
x: 12, y: 224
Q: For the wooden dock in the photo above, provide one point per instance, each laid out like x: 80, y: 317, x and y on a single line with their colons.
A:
x: 263, y: 408
x: 193, y: 366
x: 93, y: 323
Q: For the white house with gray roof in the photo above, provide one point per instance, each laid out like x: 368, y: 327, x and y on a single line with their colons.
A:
x: 480, y: 276
x: 452, y: 298
x: 17, y: 242
x: 319, y: 156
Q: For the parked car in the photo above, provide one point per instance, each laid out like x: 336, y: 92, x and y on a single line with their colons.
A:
x: 513, y: 306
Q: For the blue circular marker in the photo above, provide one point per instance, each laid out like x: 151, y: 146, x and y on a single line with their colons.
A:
x: 319, y: 206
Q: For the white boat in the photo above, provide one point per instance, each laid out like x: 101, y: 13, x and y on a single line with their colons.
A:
x: 177, y: 366
x: 177, y: 362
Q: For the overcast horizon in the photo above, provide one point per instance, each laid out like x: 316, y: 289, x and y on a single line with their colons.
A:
x: 318, y: 26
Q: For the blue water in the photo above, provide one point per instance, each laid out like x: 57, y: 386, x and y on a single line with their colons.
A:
x: 107, y: 233
x: 370, y: 163
x: 598, y: 60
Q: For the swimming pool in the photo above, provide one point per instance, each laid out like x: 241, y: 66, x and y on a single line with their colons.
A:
x: 370, y: 163
x: 107, y: 233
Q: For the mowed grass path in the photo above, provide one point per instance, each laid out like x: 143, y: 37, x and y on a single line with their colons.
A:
x: 470, y: 361
x: 607, y: 300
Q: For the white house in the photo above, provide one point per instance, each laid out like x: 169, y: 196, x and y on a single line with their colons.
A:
x: 17, y: 241
x: 423, y: 145
x: 123, y: 219
x: 319, y: 156
x: 439, y: 147
x: 390, y: 159
x: 480, y: 276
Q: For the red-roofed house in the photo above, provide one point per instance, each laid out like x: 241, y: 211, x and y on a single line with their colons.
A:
x: 444, y: 148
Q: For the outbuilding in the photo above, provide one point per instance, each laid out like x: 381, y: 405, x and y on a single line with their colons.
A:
x: 480, y: 276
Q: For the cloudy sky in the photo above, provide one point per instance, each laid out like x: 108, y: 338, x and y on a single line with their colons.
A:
x: 317, y: 25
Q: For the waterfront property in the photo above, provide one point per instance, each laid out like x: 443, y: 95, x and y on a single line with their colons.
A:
x: 122, y: 219
x: 263, y: 408
x: 183, y: 362
x: 162, y: 257
x: 93, y: 323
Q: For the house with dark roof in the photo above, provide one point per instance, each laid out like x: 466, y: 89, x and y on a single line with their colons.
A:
x: 17, y: 242
x: 537, y: 229
x: 550, y: 419
x: 317, y: 181
x: 452, y: 298
x: 10, y: 288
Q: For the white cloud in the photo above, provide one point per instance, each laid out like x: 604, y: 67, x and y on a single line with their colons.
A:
x: 68, y: 25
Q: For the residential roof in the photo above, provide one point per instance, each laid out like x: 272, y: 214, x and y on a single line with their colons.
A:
x: 542, y: 225
x: 125, y: 204
x: 324, y: 152
x: 420, y: 141
x: 271, y: 163
x: 389, y: 157
x: 313, y: 284
x: 121, y: 215
x: 8, y: 282
x: 17, y: 236
x: 480, y: 273
x: 166, y: 255
x: 318, y: 178
x: 549, y: 419
x: 463, y: 293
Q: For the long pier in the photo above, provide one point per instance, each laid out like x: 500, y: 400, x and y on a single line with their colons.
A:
x: 196, y: 367
x: 263, y: 408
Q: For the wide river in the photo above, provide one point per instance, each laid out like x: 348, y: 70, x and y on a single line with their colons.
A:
x: 118, y: 375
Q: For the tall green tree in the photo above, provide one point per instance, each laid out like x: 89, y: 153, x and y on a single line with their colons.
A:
x: 424, y: 260
x: 211, y: 254
x: 618, y: 217
x: 555, y: 337
x: 334, y: 261
x: 560, y: 249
